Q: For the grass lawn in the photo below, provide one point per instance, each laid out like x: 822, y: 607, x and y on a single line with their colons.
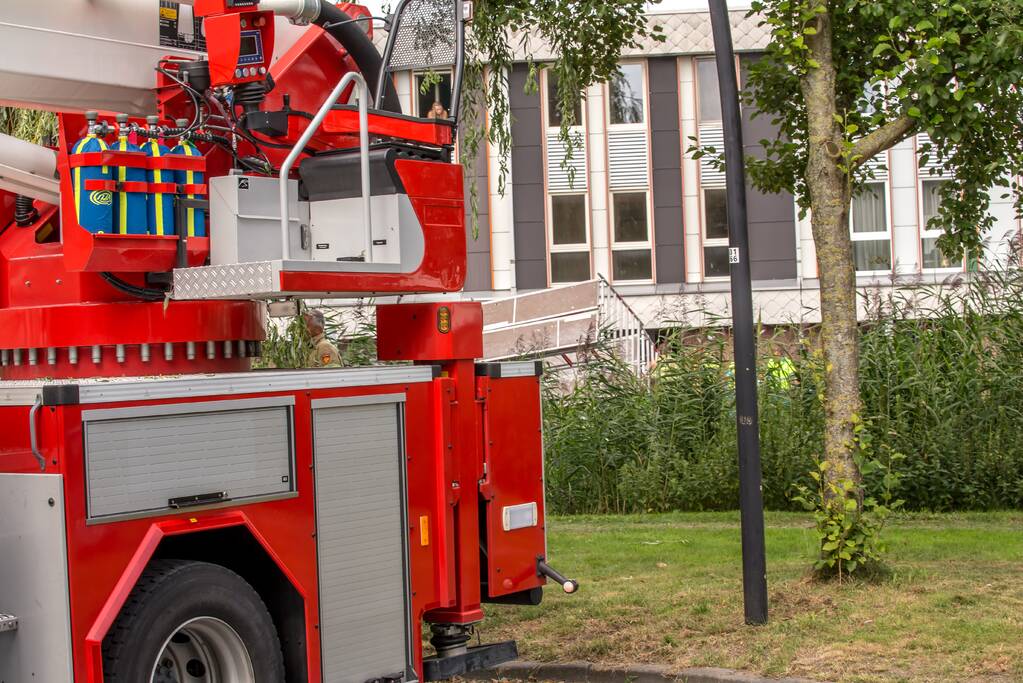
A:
x: 668, y: 589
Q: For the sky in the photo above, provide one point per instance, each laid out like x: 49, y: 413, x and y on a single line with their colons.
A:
x: 665, y: 6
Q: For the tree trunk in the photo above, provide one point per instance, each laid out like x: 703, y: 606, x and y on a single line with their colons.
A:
x: 839, y: 332
x: 830, y: 195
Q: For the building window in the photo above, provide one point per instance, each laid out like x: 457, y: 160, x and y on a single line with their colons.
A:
x: 627, y: 102
x: 709, y: 93
x: 433, y: 89
x: 872, y: 240
x: 933, y: 257
x: 715, y: 232
x: 570, y: 243
x: 630, y: 252
x: 553, y: 103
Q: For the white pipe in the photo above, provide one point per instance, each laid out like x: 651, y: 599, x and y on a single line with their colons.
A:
x: 28, y: 169
x: 297, y: 10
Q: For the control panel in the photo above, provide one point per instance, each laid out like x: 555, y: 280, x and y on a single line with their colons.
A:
x: 240, y: 40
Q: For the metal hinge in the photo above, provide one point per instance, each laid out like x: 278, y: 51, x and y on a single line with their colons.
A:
x: 8, y: 622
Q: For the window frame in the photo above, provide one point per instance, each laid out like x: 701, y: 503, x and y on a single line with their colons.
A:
x: 705, y: 241
x: 876, y: 236
x: 546, y: 104
x: 927, y: 234
x: 416, y: 75
x: 642, y: 125
x: 645, y: 245
x: 574, y: 248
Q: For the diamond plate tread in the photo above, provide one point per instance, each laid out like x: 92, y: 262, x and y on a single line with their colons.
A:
x: 8, y: 622
x: 247, y: 280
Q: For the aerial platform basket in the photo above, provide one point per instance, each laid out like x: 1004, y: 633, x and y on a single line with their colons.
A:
x: 386, y: 218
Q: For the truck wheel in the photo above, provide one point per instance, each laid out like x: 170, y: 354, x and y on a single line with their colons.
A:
x: 192, y: 622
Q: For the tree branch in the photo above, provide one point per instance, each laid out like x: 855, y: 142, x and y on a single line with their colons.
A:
x: 881, y: 139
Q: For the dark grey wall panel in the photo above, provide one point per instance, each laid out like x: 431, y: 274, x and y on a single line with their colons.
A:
x: 478, y: 277
x: 772, y: 217
x: 528, y: 199
x: 666, y: 159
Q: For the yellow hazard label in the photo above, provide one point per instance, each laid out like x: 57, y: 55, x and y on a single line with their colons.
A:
x: 168, y: 13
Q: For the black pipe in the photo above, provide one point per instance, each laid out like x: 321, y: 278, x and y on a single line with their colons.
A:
x: 138, y: 292
x: 751, y: 497
x: 25, y: 213
x: 335, y: 22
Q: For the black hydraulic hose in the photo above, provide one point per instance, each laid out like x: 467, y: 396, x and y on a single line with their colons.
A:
x: 354, y: 39
x: 25, y: 213
x: 137, y: 292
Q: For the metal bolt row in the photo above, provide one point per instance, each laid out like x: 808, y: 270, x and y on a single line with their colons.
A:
x: 227, y: 349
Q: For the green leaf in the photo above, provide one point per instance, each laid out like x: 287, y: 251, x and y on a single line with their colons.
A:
x: 924, y: 25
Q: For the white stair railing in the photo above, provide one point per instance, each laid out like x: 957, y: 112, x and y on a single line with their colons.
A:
x: 620, y: 325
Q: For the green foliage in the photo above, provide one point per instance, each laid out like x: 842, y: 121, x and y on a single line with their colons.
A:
x: 941, y: 375
x: 586, y: 39
x: 950, y: 69
x: 848, y: 528
x: 288, y: 345
x: 28, y: 124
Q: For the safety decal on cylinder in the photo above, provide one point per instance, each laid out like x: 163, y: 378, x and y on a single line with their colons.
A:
x: 180, y: 28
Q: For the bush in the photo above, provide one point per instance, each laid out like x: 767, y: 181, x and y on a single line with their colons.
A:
x: 942, y: 385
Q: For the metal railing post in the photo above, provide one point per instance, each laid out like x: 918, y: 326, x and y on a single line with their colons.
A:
x: 314, y: 125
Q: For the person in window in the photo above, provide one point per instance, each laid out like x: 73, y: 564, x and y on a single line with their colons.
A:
x: 437, y: 111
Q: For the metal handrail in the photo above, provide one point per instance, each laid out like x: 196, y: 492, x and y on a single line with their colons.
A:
x: 335, y: 94
x: 33, y: 432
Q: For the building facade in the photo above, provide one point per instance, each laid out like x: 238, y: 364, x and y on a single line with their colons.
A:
x: 633, y: 207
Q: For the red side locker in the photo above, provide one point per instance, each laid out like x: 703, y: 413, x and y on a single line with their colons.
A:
x: 512, y: 484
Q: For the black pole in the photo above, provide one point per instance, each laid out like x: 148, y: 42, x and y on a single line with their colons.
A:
x: 751, y: 496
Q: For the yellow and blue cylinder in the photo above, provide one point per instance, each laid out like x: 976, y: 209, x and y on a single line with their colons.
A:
x: 94, y: 208
x: 159, y: 205
x: 195, y: 218
x: 129, y: 207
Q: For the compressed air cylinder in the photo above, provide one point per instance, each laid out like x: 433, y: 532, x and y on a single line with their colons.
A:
x: 94, y: 208
x: 195, y: 219
x: 129, y: 207
x: 159, y: 205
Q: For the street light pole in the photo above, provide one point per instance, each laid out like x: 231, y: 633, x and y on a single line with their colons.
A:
x: 751, y: 496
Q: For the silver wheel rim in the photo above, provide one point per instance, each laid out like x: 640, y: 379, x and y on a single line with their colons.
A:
x: 203, y: 650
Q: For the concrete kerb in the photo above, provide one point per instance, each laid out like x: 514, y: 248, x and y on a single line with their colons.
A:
x: 585, y: 672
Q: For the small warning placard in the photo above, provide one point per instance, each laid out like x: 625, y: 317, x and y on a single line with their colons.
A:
x: 180, y: 28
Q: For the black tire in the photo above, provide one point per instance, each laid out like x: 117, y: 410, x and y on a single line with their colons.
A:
x: 171, y: 593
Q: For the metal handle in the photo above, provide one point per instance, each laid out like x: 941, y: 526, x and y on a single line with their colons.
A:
x: 363, y: 159
x: 567, y: 585
x: 33, y: 433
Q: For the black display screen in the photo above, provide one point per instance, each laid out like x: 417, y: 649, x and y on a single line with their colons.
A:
x: 249, y: 46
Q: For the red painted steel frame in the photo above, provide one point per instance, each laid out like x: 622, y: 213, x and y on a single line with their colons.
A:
x: 512, y: 442
x: 452, y: 425
x: 105, y: 560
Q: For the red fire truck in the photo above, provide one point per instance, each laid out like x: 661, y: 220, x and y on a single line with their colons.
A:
x: 168, y: 514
